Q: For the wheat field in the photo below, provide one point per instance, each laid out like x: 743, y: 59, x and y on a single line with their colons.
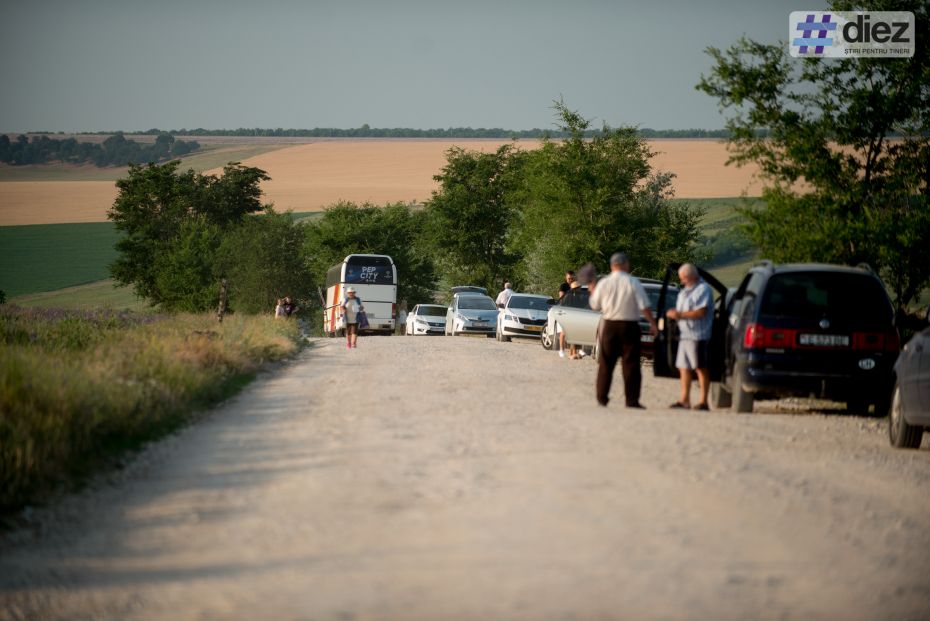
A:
x: 308, y: 177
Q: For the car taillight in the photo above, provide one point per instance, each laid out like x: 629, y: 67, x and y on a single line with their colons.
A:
x: 887, y: 341
x: 758, y: 336
x: 394, y: 311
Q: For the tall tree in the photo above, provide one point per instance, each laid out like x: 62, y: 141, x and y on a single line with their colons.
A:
x: 394, y: 229
x: 469, y: 217
x: 166, y: 215
x: 845, y: 155
x: 583, y: 199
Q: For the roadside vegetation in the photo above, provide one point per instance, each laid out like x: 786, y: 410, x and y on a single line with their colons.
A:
x: 77, y: 388
x: 855, y: 132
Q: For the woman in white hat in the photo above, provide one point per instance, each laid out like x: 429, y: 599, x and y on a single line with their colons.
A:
x: 351, y: 307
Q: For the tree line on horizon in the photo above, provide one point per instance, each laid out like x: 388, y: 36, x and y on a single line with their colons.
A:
x: 406, y: 132
x: 116, y: 150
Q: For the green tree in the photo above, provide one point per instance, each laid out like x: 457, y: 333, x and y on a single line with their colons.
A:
x: 347, y: 228
x: 586, y: 198
x: 165, y: 216
x: 469, y: 217
x: 844, y: 149
x: 262, y: 259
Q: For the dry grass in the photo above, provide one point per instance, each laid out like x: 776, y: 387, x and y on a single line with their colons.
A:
x: 79, y: 387
x: 308, y: 177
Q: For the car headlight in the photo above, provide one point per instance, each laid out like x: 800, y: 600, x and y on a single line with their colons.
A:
x: 420, y: 322
x: 509, y: 318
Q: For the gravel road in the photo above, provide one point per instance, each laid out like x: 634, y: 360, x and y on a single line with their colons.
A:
x: 439, y: 478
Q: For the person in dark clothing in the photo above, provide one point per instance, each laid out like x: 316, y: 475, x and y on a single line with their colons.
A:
x: 566, y: 286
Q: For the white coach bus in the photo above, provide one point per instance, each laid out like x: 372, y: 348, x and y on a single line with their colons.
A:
x: 374, y: 278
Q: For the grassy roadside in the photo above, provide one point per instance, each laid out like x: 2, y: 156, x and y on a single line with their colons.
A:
x: 77, y: 388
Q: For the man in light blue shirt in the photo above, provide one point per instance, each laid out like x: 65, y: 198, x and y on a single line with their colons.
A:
x: 694, y: 311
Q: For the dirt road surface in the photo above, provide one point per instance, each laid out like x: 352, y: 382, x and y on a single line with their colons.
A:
x: 440, y: 478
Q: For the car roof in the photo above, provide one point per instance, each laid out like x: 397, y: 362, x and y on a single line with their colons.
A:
x: 436, y: 305
x: 812, y: 267
x: 530, y: 295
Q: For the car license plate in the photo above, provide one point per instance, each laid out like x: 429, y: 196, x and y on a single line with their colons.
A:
x: 824, y: 340
x: 480, y: 323
x: 647, y: 338
x: 534, y: 328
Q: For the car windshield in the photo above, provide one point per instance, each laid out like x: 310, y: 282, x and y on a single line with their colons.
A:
x: 671, y: 296
x: 834, y: 294
x: 476, y: 302
x: 525, y: 301
x: 432, y: 311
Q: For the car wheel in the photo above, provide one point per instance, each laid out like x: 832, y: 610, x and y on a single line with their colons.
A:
x: 900, y: 433
x: 547, y: 340
x: 504, y: 338
x: 742, y: 400
x: 720, y: 397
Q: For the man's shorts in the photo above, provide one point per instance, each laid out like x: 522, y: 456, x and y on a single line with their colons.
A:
x: 692, y: 354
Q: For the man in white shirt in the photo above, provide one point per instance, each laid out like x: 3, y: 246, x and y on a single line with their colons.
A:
x: 621, y: 299
x: 504, y: 296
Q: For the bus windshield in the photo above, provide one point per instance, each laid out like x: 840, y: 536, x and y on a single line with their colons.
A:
x: 369, y: 271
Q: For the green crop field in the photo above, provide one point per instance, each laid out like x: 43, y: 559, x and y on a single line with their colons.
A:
x: 100, y: 294
x: 45, y: 257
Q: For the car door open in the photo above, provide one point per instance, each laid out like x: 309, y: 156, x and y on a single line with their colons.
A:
x: 666, y: 343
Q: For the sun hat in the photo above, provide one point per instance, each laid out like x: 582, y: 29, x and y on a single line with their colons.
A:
x: 350, y: 290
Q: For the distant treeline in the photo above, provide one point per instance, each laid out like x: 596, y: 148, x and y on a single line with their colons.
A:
x: 406, y: 132
x: 116, y: 150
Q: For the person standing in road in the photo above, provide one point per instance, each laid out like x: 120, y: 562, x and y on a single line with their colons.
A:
x: 694, y: 311
x: 621, y: 299
x: 351, y: 307
x: 504, y: 296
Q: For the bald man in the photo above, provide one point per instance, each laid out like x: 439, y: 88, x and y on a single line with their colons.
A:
x: 694, y: 312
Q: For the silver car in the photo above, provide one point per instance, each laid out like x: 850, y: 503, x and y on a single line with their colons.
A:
x: 471, y: 313
x: 574, y: 316
x: 910, y: 402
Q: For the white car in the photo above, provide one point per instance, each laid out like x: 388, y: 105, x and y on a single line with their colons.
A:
x: 426, y: 319
x: 524, y: 314
x: 471, y: 313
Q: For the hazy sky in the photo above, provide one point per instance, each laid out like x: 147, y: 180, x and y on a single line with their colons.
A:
x: 84, y: 65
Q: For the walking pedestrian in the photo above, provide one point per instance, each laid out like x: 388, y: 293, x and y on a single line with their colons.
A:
x: 621, y: 299
x: 351, y: 307
x: 694, y: 311
x: 504, y: 296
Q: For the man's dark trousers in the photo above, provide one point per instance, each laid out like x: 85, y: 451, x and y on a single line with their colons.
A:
x: 619, y: 340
